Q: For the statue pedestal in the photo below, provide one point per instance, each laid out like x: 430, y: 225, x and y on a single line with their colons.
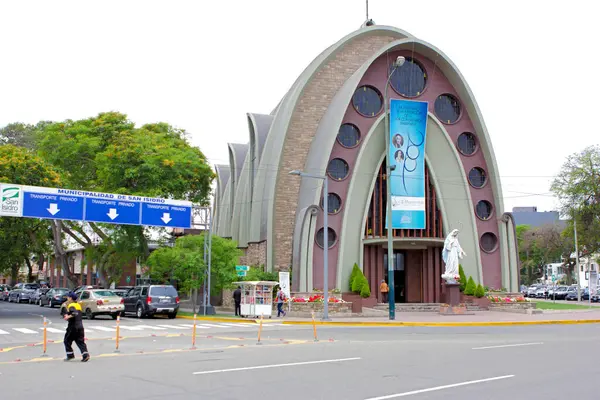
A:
x: 452, y: 297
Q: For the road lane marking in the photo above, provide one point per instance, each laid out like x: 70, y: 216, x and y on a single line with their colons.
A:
x: 216, y: 326
x: 102, y: 328
x: 4, y: 332
x: 174, y: 327
x: 433, y: 389
x: 53, y: 330
x: 158, y: 328
x: 130, y: 328
x: 240, y: 325
x: 24, y: 330
x: 507, y: 345
x: 216, y: 371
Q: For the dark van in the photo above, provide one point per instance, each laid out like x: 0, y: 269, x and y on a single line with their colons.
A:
x: 150, y: 300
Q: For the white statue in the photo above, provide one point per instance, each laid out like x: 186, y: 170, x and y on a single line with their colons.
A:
x: 451, y: 254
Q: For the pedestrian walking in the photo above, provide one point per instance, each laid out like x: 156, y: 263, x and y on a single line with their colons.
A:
x: 75, y: 332
x: 280, y: 301
x: 384, y: 289
x: 237, y: 298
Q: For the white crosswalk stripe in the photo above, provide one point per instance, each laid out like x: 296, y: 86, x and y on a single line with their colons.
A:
x: 158, y: 328
x: 4, y: 332
x: 103, y: 328
x: 174, y: 327
x: 53, y: 330
x: 24, y: 330
x: 129, y: 328
x: 197, y: 326
x: 240, y: 325
x: 215, y: 326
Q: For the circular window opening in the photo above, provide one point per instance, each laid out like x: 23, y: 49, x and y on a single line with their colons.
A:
x: 331, y: 237
x: 334, y: 203
x: 338, y: 169
x: 483, y: 210
x: 467, y: 143
x: 348, y: 135
x: 489, y: 242
x: 410, y: 79
x: 477, y: 177
x: 447, y: 108
x: 367, y: 101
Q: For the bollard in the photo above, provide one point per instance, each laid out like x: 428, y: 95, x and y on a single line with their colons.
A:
x: 45, y: 337
x: 260, y: 329
x: 194, y: 334
x: 118, y: 333
x: 314, y: 326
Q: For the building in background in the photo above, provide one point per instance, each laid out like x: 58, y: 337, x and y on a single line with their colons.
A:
x: 536, y: 219
x: 331, y: 122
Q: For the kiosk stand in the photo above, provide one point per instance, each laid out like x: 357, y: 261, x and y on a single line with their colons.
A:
x: 257, y: 298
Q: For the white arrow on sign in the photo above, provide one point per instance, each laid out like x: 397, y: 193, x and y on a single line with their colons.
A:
x: 166, y: 218
x: 112, y: 213
x: 53, y: 209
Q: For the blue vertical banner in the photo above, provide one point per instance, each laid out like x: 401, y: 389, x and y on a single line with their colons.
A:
x: 408, y: 132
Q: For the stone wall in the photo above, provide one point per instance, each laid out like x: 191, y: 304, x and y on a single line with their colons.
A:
x: 309, y: 110
x: 255, y: 254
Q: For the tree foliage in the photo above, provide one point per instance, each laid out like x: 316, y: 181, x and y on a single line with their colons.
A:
x: 463, y: 278
x: 470, y: 288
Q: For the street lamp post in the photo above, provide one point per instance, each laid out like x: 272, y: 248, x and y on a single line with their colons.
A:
x: 325, y: 238
x: 390, y: 241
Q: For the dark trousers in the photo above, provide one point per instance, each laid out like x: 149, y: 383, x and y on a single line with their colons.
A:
x: 385, y: 296
x: 280, y: 309
x: 238, y: 308
x: 77, y: 336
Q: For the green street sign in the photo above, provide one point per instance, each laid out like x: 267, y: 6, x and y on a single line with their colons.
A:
x: 128, y: 279
x: 553, y: 278
x: 241, y: 273
x: 239, y: 268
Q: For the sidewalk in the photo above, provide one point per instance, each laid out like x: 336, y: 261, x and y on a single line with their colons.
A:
x: 477, y: 318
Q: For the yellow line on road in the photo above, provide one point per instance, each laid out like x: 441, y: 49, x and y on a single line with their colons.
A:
x: 448, y: 324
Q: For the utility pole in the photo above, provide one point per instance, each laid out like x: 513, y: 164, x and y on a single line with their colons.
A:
x: 576, y: 257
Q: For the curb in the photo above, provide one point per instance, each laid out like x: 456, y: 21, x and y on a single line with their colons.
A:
x: 450, y: 324
x: 221, y: 319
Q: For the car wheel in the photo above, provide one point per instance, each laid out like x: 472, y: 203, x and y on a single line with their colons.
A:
x: 89, y: 314
x: 139, y: 312
x: 172, y: 316
x: 19, y: 300
x: 41, y: 303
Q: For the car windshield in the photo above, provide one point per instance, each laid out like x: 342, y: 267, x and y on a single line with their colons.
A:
x: 61, y: 291
x: 104, y: 293
x: 31, y: 286
x: 163, y: 291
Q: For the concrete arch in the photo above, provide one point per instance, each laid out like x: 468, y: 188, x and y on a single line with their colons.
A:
x: 240, y: 185
x: 283, y: 119
x: 223, y: 173
x: 224, y: 213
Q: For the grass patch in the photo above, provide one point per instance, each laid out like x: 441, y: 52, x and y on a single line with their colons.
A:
x: 547, y: 305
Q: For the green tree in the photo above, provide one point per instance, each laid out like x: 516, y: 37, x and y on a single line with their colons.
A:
x: 23, y: 238
x: 358, y: 282
x: 365, y: 290
x: 463, y: 278
x: 184, y: 263
x: 470, y: 288
x: 355, y: 272
x: 113, y: 155
x: 479, y: 291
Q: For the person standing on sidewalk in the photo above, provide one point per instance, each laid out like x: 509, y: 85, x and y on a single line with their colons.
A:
x: 384, y: 289
x: 75, y: 332
x: 280, y: 301
x: 237, y: 299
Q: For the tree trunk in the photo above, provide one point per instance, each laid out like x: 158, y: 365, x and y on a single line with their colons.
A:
x: 29, y: 269
x: 14, y: 274
x: 41, y: 261
x: 60, y: 253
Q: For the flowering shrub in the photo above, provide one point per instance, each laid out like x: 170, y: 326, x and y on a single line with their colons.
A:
x: 498, y: 299
x: 317, y: 298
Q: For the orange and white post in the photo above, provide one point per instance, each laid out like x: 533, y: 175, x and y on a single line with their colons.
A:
x: 194, y: 334
x: 45, y: 342
x: 118, y: 333
x: 314, y: 326
x: 260, y: 329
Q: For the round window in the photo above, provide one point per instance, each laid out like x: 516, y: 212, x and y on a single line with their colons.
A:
x: 477, y: 177
x: 410, y: 79
x: 447, y: 108
x: 348, y: 135
x: 338, y: 169
x: 331, y: 237
x: 489, y: 242
x: 367, y: 101
x: 467, y: 143
x: 334, y: 203
x: 483, y: 210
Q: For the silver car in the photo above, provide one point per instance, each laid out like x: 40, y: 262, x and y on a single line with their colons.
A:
x: 22, y: 292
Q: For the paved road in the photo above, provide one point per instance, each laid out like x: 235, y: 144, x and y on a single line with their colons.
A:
x: 550, y: 362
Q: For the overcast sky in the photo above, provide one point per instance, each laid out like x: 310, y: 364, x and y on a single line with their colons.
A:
x: 201, y: 65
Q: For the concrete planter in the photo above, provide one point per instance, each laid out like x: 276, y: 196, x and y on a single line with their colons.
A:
x: 453, y: 310
x: 482, y: 302
x: 305, y: 310
x: 513, y: 306
x: 358, y: 302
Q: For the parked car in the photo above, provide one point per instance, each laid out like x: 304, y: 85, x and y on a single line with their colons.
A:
x: 4, y: 289
x: 150, y: 300
x: 541, y: 292
x: 571, y: 294
x: 596, y: 297
x: 35, y: 298
x: 53, y: 297
x: 96, y: 302
x: 560, y: 293
x: 120, y: 292
x: 22, y: 292
x: 531, y: 290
